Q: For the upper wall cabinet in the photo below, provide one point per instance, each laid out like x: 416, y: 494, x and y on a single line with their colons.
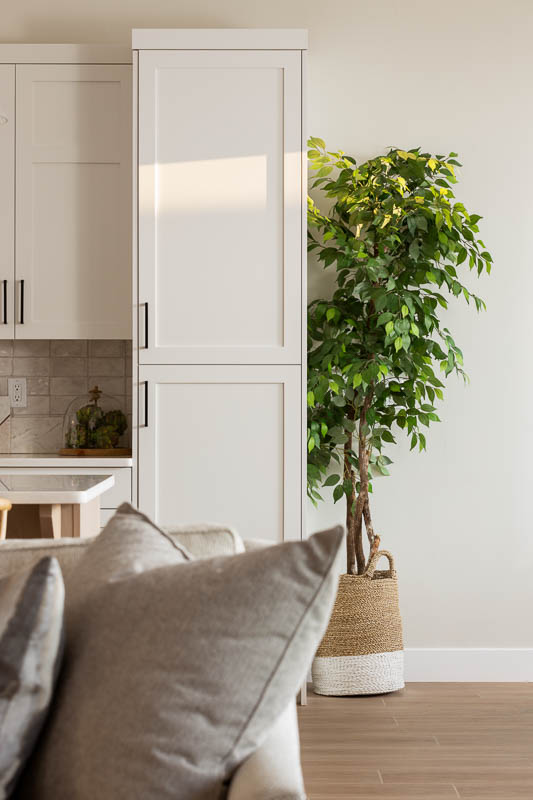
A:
x: 73, y: 201
x: 220, y: 198
x: 7, y: 210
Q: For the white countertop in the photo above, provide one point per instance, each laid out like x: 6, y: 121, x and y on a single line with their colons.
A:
x: 53, y: 489
x: 55, y: 460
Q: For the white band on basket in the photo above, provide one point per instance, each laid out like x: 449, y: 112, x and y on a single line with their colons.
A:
x: 371, y: 674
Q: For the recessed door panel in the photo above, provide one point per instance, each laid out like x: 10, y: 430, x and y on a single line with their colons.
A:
x: 7, y: 199
x: 73, y: 229
x: 221, y: 444
x: 219, y: 207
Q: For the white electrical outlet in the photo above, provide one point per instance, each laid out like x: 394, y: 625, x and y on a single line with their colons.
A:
x: 17, y: 392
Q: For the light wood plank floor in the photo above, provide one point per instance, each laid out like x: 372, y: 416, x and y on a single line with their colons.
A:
x: 431, y: 740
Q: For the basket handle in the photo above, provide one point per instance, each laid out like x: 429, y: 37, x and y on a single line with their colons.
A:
x: 374, y: 562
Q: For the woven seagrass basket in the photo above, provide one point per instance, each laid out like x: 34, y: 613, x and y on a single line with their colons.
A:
x: 362, y: 649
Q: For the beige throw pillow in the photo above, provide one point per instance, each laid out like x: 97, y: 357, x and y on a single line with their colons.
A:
x: 176, y: 674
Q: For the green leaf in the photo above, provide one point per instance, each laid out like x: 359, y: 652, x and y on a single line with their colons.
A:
x: 414, y: 249
x: 462, y: 255
x: 314, y: 141
x: 357, y: 380
x: 330, y: 314
x: 398, y: 344
x: 310, y: 444
x: 405, y: 311
x: 331, y: 480
x: 348, y: 488
x: 338, y: 492
x: 310, y: 398
x: 389, y: 327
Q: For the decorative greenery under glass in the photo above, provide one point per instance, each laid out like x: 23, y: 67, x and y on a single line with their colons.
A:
x: 97, y: 424
x: 398, y: 240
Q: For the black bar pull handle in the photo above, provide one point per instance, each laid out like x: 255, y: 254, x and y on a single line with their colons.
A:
x: 4, y: 301
x: 146, y: 404
x: 146, y: 326
x: 22, y: 301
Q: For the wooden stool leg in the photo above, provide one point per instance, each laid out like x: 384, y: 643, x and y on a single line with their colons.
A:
x: 3, y: 523
x: 5, y: 506
x: 50, y: 521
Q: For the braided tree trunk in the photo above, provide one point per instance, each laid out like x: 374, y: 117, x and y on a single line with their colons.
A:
x: 358, y: 506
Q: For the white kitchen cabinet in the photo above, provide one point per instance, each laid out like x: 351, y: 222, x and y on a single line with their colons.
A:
x: 65, y: 194
x: 73, y: 189
x: 219, y: 278
x: 7, y: 208
x: 220, y: 193
x: 221, y: 444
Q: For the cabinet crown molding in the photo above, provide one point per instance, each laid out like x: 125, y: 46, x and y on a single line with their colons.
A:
x: 219, y: 39
x: 64, y: 54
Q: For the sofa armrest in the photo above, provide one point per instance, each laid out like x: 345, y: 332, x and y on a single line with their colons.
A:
x: 273, y: 772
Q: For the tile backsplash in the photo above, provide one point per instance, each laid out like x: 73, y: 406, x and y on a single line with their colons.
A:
x: 57, y: 371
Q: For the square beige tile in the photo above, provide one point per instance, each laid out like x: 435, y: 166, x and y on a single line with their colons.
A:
x: 6, y: 365
x: 32, y: 347
x: 106, y: 347
x: 68, y: 347
x: 38, y: 385
x: 73, y: 386
x: 36, y: 434
x: 23, y: 367
x: 114, y: 367
x: 68, y: 366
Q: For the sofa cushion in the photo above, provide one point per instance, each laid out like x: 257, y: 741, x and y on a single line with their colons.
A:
x: 31, y: 639
x: 201, y: 541
x: 273, y: 771
x: 129, y: 544
x: 175, y: 675
x: 19, y: 554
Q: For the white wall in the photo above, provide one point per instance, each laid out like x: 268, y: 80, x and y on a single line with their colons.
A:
x: 455, y: 75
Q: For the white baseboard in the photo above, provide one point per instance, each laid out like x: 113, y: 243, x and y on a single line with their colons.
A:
x: 469, y: 664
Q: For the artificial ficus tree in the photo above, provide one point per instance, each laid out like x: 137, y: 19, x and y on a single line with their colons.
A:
x: 377, y: 348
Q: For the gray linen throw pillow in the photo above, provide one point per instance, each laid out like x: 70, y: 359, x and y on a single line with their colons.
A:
x: 31, y: 639
x: 176, y: 674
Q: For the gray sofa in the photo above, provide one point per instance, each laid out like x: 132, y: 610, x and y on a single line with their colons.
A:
x: 274, y: 770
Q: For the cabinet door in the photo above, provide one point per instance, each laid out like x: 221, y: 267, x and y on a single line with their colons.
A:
x: 222, y: 444
x: 7, y: 199
x: 73, y: 195
x: 220, y: 198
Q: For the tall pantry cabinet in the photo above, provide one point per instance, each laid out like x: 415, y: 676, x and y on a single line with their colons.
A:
x: 219, y: 276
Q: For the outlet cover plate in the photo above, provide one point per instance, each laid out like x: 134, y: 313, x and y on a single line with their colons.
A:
x: 17, y: 392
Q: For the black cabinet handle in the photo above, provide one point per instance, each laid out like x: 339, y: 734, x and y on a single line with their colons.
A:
x: 146, y: 404
x: 4, y: 301
x: 22, y: 302
x: 146, y: 326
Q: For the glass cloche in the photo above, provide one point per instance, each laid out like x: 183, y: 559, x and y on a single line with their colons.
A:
x: 95, y: 422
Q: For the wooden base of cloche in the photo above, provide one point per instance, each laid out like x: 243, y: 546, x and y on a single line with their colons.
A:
x: 94, y: 452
